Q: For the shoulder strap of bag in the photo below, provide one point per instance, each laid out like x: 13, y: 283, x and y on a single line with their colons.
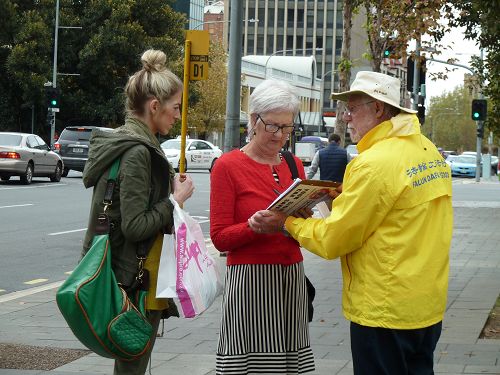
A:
x: 103, y: 226
x: 291, y: 163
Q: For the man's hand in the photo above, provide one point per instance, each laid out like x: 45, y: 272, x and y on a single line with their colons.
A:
x: 267, y: 221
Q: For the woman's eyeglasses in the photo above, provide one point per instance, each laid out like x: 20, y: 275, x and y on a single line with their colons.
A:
x: 273, y: 128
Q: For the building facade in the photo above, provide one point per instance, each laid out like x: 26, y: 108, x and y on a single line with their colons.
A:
x: 213, y: 20
x: 193, y: 10
x: 301, y: 28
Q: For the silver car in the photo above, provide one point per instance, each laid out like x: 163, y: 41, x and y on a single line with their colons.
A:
x: 28, y: 156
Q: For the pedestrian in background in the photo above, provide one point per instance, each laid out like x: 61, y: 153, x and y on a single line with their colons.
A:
x: 264, y: 325
x: 331, y: 160
x: 141, y: 211
x: 392, y: 228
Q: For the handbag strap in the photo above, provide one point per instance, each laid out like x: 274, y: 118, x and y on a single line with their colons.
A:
x: 110, y: 186
x: 103, y: 226
x: 287, y: 155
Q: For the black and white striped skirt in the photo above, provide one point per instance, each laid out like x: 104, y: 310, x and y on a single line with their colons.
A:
x: 264, y: 327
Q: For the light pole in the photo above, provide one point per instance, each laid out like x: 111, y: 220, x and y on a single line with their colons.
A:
x: 321, y: 97
x: 285, y: 51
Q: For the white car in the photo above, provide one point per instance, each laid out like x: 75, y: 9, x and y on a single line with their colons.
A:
x: 200, y: 154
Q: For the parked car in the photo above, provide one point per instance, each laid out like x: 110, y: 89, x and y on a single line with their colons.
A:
x: 200, y: 154
x: 450, y: 159
x: 493, y: 162
x: 73, y: 147
x: 27, y: 156
x: 464, y: 165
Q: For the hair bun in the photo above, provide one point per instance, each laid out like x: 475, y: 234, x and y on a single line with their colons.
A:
x: 154, y: 60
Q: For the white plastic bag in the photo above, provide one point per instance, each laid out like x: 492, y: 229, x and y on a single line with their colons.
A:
x: 187, y: 272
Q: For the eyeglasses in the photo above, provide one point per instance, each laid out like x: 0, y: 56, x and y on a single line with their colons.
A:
x: 273, y: 128
x: 349, y: 111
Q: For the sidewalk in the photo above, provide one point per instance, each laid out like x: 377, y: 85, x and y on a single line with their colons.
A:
x: 188, y: 346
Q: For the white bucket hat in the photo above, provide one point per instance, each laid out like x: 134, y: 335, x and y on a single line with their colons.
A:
x: 376, y: 85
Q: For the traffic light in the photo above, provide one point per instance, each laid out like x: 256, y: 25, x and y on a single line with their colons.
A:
x: 388, y: 52
x: 479, y: 109
x: 52, y: 97
x: 480, y: 132
x: 410, y: 67
x: 421, y: 114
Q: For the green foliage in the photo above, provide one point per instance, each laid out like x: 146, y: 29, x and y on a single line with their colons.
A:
x: 480, y: 19
x: 94, y: 62
x: 448, y: 123
x: 207, y: 114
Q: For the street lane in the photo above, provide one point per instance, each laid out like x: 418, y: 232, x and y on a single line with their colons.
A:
x: 42, y: 227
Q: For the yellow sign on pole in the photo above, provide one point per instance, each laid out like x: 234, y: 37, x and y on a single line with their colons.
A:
x: 198, y: 61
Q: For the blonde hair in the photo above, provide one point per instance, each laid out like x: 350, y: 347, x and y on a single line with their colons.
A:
x: 154, y: 80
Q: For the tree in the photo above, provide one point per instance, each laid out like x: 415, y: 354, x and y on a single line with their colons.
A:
x: 104, y: 53
x: 208, y: 113
x: 395, y: 23
x: 480, y: 19
x: 449, y: 123
x: 344, y: 68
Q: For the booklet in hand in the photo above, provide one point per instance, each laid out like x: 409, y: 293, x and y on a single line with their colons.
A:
x: 301, y: 194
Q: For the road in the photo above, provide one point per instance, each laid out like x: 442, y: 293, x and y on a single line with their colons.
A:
x: 42, y: 227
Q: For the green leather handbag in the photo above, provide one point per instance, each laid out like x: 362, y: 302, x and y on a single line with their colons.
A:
x: 96, y: 308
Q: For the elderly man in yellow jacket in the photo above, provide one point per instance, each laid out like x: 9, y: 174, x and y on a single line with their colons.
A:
x: 391, y: 226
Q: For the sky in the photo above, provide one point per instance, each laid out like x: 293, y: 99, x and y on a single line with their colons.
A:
x: 462, y: 49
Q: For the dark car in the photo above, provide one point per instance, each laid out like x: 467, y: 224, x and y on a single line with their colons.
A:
x: 27, y: 156
x: 73, y: 147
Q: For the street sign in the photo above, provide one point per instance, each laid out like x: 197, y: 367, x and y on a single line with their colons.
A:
x: 54, y: 109
x: 198, y: 64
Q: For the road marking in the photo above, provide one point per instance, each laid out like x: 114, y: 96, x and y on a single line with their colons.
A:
x: 33, y: 187
x: 35, y: 281
x: 18, y: 205
x: 29, y: 292
x: 68, y: 272
x: 2, y: 290
x: 67, y: 231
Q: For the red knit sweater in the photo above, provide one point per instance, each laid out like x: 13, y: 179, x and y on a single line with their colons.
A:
x: 239, y: 187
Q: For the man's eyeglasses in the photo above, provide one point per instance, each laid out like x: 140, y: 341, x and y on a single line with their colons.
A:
x: 350, y: 110
x: 273, y: 128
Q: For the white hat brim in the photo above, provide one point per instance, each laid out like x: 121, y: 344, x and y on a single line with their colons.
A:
x: 344, y: 96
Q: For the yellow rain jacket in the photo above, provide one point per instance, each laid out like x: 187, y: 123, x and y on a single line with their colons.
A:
x: 392, y: 228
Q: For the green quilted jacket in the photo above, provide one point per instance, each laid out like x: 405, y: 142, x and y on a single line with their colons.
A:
x: 141, y: 207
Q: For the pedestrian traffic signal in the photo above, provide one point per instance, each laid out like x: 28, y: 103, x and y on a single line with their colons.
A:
x: 479, y: 109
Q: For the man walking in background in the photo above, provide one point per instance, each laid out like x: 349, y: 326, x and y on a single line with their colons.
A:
x: 331, y: 160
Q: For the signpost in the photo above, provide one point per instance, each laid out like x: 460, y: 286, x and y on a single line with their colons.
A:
x: 195, y: 69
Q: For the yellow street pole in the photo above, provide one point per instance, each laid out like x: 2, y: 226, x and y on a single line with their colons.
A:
x: 187, y: 60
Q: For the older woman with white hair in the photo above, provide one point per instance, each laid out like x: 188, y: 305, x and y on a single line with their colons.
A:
x: 264, y: 325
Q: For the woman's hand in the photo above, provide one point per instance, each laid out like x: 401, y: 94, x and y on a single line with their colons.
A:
x: 267, y: 221
x: 183, y: 188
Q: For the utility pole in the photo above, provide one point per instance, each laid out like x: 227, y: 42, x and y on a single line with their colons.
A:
x: 52, y: 115
x: 232, y: 127
x: 479, y: 139
x: 416, y: 75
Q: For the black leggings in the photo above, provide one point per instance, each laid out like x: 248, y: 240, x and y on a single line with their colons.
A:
x: 385, y: 351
